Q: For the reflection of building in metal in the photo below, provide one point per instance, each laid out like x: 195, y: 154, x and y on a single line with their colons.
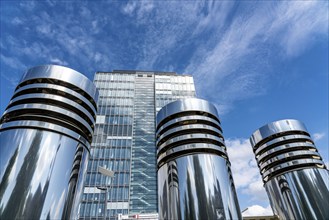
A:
x: 173, y: 188
x: 194, y: 176
x: 45, y: 136
x: 124, y: 140
x: 293, y: 172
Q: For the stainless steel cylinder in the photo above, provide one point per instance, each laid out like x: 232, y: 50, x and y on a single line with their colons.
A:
x: 294, y: 175
x: 194, y: 175
x: 45, y: 134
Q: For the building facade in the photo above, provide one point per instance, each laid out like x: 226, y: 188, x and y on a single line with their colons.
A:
x: 124, y: 140
x: 294, y: 174
x: 45, y: 137
x: 194, y: 172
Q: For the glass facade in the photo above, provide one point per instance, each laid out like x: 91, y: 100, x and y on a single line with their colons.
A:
x: 124, y: 140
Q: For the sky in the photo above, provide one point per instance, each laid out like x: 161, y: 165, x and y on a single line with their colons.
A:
x: 257, y: 61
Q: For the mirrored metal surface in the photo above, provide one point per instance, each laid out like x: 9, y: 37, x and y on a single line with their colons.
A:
x: 190, y: 104
x: 63, y: 74
x: 39, y: 176
x: 300, y: 194
x: 196, y: 187
x: 53, y: 100
x: 276, y: 127
x: 295, y: 177
x: 285, y: 148
x: 191, y: 119
x: 45, y: 126
x: 192, y: 129
x: 286, y: 139
x: 56, y: 89
x: 195, y: 148
x: 286, y: 156
x: 194, y: 175
x: 189, y: 138
x: 45, y: 134
x: 51, y: 114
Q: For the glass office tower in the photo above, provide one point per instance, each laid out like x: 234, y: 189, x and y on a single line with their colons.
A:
x: 294, y: 175
x: 124, y: 140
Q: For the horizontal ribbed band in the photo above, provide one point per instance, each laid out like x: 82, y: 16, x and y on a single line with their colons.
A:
x: 284, y: 146
x: 56, y: 95
x: 188, y: 126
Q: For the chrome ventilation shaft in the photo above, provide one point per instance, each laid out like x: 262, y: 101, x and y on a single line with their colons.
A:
x: 294, y: 175
x: 45, y: 134
x: 194, y: 176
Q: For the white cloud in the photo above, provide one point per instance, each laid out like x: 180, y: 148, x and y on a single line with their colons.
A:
x: 257, y: 210
x: 55, y: 60
x: 255, y: 190
x: 318, y: 136
x: 13, y: 80
x: 51, y: 3
x: 164, y: 32
x: 244, y: 167
x: 145, y: 7
x: 95, y: 27
x: 139, y: 8
x: 245, y: 170
x: 17, y: 21
x: 85, y: 12
x: 130, y: 7
x: 29, y: 5
x: 221, y: 108
x: 231, y: 55
x: 301, y: 22
x: 44, y: 29
x: 97, y: 57
x: 12, y: 62
x: 233, y: 69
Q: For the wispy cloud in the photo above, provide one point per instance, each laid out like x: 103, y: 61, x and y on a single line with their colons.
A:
x: 12, y: 80
x: 60, y: 37
x: 236, y: 42
x: 29, y: 5
x: 55, y: 60
x: 138, y: 8
x: 17, y: 21
x: 227, y: 46
x: 238, y: 65
x: 319, y: 136
x: 12, y: 62
x: 130, y: 7
x: 244, y: 168
x: 299, y: 24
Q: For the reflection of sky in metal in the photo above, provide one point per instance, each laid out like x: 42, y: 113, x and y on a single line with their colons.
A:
x: 45, y: 158
x: 254, y: 65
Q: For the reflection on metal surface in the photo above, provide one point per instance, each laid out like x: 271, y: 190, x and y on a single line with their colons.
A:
x: 45, y: 136
x: 194, y: 175
x: 295, y: 177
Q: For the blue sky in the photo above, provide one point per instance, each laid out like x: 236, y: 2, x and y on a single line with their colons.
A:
x: 256, y: 61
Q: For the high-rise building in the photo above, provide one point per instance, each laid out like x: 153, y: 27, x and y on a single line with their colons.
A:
x: 124, y: 140
x: 294, y: 175
x: 194, y: 172
x: 45, y: 137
